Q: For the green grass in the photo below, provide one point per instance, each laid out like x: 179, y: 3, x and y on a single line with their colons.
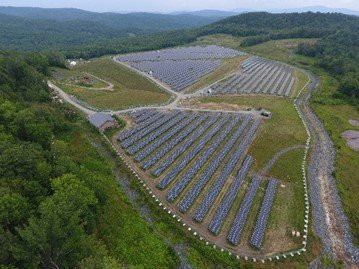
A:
x: 219, y: 40
x: 77, y: 78
x: 283, y: 50
x: 130, y: 89
x: 288, y: 170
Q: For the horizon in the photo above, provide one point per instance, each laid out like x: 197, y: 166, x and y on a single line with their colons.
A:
x: 183, y: 6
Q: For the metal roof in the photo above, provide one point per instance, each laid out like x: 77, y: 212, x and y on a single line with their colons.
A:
x: 99, y: 119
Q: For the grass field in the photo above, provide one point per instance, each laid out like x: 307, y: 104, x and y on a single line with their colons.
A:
x: 227, y: 41
x: 283, y: 50
x: 77, y: 78
x: 130, y: 89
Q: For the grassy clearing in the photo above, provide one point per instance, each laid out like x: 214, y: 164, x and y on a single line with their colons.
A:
x: 301, y: 81
x: 228, y: 66
x: 289, y: 172
x: 219, y: 40
x: 78, y: 79
x: 130, y: 89
x: 283, y: 50
x: 292, y: 195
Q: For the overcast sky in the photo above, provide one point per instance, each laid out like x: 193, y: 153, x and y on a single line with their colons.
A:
x: 179, y: 5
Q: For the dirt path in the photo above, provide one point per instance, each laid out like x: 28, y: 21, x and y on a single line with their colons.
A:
x: 108, y: 88
x: 277, y: 156
x: 69, y: 99
x: 172, y: 105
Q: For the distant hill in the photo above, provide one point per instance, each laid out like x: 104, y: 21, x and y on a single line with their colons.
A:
x: 209, y: 13
x: 28, y: 34
x: 284, y: 25
x: 146, y: 22
x: 322, y: 9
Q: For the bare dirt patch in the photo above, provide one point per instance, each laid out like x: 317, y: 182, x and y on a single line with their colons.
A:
x: 354, y: 122
x: 195, y: 103
x: 352, y: 138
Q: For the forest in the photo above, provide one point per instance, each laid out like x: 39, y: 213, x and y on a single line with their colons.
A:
x: 59, y: 198
x: 35, y: 29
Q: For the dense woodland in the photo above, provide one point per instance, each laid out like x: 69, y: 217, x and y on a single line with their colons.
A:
x: 60, y: 206
x: 29, y: 29
x: 339, y: 54
x: 146, y: 22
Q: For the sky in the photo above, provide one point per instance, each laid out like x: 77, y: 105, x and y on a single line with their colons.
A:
x: 179, y: 5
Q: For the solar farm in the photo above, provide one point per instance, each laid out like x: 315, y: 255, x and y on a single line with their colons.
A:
x: 199, y: 158
x: 258, y: 76
x: 198, y: 163
x: 179, y: 67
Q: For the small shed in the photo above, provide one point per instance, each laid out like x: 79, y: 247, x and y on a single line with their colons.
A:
x: 103, y: 121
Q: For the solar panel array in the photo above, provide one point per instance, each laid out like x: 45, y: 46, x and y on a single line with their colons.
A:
x: 259, y: 228
x: 198, y: 160
x: 241, y: 216
x: 225, y: 206
x: 212, y: 194
x: 179, y: 67
x: 194, y: 192
x: 259, y: 76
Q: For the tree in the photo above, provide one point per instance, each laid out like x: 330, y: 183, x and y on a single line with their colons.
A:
x: 58, y: 238
x: 14, y: 209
